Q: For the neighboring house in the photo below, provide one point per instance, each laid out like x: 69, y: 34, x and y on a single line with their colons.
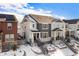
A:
x: 8, y: 32
x: 37, y: 27
x: 72, y: 27
x: 58, y: 28
x: 19, y: 30
x: 77, y: 32
x: 45, y: 28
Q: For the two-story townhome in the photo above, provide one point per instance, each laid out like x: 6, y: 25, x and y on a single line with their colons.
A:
x: 77, y: 32
x: 8, y: 31
x: 57, y: 28
x: 71, y: 27
x: 37, y: 27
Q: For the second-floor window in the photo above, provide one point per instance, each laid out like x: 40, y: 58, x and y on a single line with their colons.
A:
x: 33, y: 26
x: 9, y: 26
x: 44, y: 26
x: 66, y: 26
x: 78, y: 26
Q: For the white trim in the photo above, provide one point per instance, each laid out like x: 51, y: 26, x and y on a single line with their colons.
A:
x: 44, y: 33
x: 45, y: 26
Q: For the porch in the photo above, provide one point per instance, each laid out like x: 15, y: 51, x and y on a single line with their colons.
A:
x: 57, y: 33
x: 41, y: 36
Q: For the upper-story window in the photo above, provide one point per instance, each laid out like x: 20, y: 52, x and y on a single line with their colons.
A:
x: 9, y: 26
x: 33, y: 26
x: 66, y: 26
x: 2, y: 19
x: 25, y: 27
x: 44, y: 26
x: 78, y: 26
x: 62, y: 26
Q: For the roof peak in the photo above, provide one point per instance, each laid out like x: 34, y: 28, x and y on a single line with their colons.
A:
x: 45, y: 15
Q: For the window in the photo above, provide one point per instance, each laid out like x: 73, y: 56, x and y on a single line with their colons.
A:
x: 78, y: 26
x: 37, y: 35
x: 25, y: 27
x: 2, y: 19
x: 45, y: 26
x: 9, y: 37
x: 62, y: 26
x: 66, y: 26
x: 44, y: 35
x: 0, y: 37
x: 33, y: 25
x: 9, y: 26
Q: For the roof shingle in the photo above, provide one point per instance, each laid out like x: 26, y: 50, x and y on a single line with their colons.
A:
x: 8, y: 17
x: 72, y: 21
x: 42, y: 19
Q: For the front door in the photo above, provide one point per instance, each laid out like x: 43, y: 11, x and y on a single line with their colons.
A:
x: 67, y: 33
x: 37, y: 35
x: 34, y: 35
x: 57, y: 35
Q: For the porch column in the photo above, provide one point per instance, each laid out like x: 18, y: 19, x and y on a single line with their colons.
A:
x: 69, y: 33
x: 77, y: 34
x: 64, y: 34
x: 39, y: 34
x: 32, y: 39
x: 55, y: 35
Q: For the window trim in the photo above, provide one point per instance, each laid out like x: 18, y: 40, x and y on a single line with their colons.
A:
x: 44, y: 34
x: 45, y: 26
x: 9, y: 26
x: 10, y: 38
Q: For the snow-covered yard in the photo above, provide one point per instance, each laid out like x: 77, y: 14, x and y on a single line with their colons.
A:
x: 60, y: 44
x: 61, y: 49
x: 29, y: 51
x: 18, y: 52
x: 74, y: 44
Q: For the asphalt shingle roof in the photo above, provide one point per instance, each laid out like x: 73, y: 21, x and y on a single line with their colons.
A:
x: 8, y: 17
x: 41, y: 18
x: 72, y: 21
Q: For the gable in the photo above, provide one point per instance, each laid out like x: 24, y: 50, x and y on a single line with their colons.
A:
x: 41, y: 19
x: 27, y: 18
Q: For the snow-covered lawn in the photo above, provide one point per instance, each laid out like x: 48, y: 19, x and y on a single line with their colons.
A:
x: 60, y: 44
x: 13, y: 53
x: 74, y: 44
x: 29, y: 51
x: 58, y: 52
x: 67, y: 52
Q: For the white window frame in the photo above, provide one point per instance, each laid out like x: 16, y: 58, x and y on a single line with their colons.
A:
x: 2, y: 19
x: 78, y: 26
x: 33, y: 25
x: 44, y: 33
x: 45, y: 26
x: 9, y: 37
x: 9, y: 25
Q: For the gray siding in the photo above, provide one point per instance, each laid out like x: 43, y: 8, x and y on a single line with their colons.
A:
x: 39, y: 27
